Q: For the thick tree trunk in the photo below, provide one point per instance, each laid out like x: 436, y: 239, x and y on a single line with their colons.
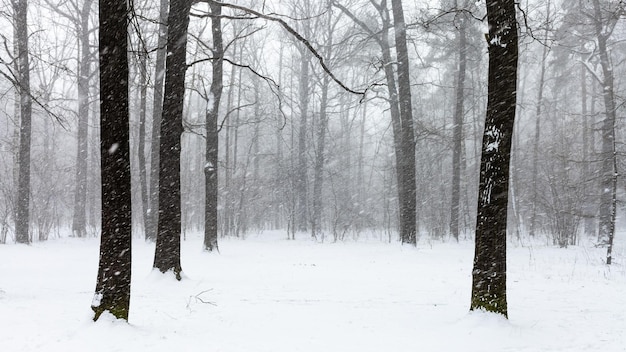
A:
x: 211, y: 166
x: 406, y: 165
x: 114, y: 271
x: 167, y: 252
x: 489, y: 272
x: 157, y: 112
x: 23, y: 187
x: 457, y: 133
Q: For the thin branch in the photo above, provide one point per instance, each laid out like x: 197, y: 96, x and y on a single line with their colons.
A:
x: 18, y: 84
x: 294, y: 33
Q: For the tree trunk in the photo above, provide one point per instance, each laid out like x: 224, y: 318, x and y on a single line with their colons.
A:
x: 211, y: 166
x: 167, y: 252
x: 79, y: 221
x: 319, y: 162
x: 23, y: 187
x: 157, y: 111
x: 588, y: 212
x: 608, y: 206
x: 489, y: 272
x: 406, y: 165
x: 302, y: 178
x: 114, y: 270
x: 141, y: 151
x: 457, y: 133
x: 537, y: 138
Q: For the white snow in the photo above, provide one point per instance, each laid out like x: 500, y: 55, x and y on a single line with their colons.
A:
x: 270, y: 294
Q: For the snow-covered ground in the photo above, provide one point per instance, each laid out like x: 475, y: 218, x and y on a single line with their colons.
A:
x: 270, y: 294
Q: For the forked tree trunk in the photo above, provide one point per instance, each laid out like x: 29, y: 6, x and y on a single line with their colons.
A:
x: 489, y: 271
x: 114, y: 270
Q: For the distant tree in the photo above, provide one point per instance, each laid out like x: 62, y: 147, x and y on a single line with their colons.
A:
x: 167, y: 252
x: 211, y: 166
x: 114, y: 271
x: 406, y: 164
x: 157, y: 111
x: 604, y: 21
x: 457, y: 134
x: 20, y: 10
x: 489, y: 272
x: 399, y: 98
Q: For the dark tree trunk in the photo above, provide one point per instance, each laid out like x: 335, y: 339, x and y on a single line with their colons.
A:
x: 79, y: 220
x: 23, y: 187
x: 114, y: 271
x: 489, y: 272
x: 457, y: 133
x: 406, y: 164
x: 211, y: 166
x: 167, y: 253
x: 157, y: 111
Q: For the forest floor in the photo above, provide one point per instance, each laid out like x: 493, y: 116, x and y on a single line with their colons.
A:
x: 268, y: 294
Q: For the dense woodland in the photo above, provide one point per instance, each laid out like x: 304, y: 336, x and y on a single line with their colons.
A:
x: 329, y: 119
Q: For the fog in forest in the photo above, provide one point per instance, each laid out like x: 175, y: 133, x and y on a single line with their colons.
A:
x: 309, y: 148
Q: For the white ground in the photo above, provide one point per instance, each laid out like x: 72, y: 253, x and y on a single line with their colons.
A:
x: 270, y: 294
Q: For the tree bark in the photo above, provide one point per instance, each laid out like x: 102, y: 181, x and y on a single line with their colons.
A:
x: 79, y: 221
x: 319, y: 162
x: 114, y: 270
x: 211, y: 166
x: 457, y: 133
x: 167, y: 252
x: 406, y: 166
x: 22, y: 221
x: 489, y: 271
x: 537, y: 138
x: 608, y: 203
x: 157, y: 111
x: 141, y: 151
x: 302, y: 177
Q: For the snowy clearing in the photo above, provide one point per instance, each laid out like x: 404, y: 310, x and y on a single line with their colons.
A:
x: 270, y: 294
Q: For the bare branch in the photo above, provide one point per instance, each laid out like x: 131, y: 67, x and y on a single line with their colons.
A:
x: 294, y: 33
